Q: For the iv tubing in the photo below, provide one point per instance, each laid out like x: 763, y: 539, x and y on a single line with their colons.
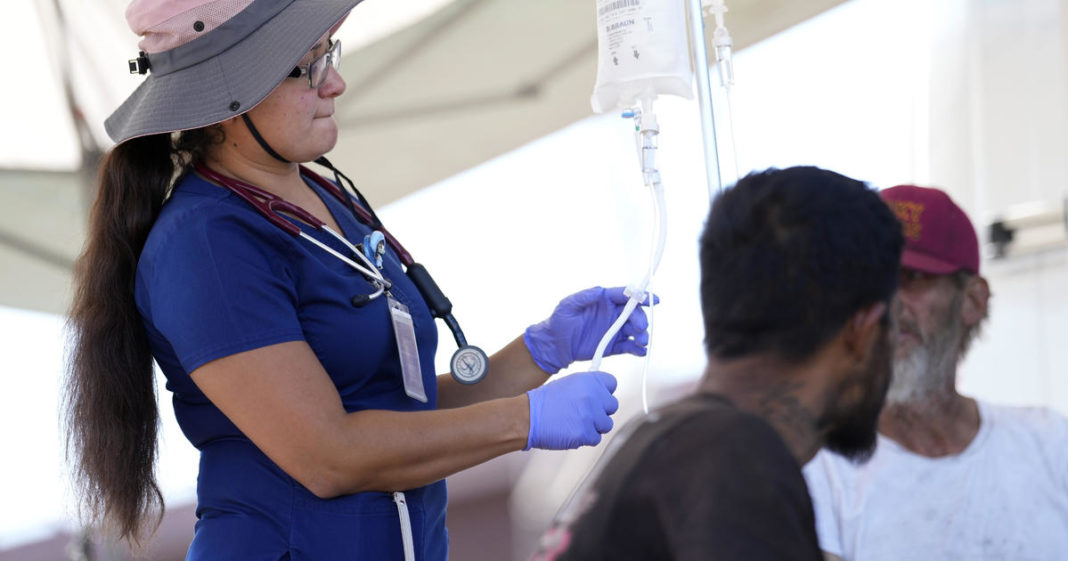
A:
x: 660, y: 218
x: 645, y: 363
x: 661, y: 221
x: 704, y: 96
x: 648, y: 130
x: 640, y: 293
x: 730, y: 133
x: 724, y: 46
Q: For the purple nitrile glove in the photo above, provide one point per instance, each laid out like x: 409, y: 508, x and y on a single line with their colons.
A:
x: 577, y: 324
x: 572, y: 411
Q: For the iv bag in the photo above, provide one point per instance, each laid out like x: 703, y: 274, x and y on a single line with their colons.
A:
x: 642, y: 52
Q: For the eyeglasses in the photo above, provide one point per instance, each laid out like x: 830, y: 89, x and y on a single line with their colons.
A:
x: 319, y: 68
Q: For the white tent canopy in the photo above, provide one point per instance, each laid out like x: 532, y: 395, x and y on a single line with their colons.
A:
x: 434, y: 87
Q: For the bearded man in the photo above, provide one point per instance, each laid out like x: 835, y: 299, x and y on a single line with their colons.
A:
x: 798, y: 270
x: 952, y: 477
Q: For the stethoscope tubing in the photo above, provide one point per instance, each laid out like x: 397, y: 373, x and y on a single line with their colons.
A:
x: 270, y: 206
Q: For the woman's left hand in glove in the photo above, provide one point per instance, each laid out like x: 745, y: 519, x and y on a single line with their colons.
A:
x: 579, y: 322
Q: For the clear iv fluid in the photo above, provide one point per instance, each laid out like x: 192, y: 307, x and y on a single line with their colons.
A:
x: 642, y: 52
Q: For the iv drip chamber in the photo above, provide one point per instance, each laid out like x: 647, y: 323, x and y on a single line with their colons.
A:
x: 643, y: 52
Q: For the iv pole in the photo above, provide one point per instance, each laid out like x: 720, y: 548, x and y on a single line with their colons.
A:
x: 704, y: 96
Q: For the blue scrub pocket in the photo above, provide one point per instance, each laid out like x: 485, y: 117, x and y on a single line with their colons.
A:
x: 358, y: 527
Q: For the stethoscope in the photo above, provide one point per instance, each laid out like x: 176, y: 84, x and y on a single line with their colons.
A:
x: 469, y: 363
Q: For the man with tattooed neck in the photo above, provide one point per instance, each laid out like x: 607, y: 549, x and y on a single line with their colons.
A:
x: 798, y: 269
x: 952, y: 477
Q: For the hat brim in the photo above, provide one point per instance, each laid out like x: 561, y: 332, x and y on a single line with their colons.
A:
x: 912, y: 259
x: 230, y: 83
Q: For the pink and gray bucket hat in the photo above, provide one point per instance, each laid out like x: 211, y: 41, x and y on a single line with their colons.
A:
x: 210, y: 60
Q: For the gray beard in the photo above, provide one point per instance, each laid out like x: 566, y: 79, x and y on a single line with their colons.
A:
x: 925, y: 371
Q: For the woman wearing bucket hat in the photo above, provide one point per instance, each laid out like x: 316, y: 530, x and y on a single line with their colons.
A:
x: 300, y: 364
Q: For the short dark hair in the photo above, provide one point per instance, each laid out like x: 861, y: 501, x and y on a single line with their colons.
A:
x: 788, y: 256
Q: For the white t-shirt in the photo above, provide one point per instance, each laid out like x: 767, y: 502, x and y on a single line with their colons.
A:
x: 1003, y: 497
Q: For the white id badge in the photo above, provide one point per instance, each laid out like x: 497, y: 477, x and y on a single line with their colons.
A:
x: 404, y: 329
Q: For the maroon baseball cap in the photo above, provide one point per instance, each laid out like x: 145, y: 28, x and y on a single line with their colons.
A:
x: 939, y: 238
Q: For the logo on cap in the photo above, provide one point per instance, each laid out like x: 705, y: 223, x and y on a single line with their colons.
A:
x: 909, y: 213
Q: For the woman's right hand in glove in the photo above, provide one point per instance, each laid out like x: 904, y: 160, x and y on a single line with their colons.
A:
x: 572, y: 411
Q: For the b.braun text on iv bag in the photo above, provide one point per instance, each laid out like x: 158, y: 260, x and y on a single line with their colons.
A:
x: 642, y: 52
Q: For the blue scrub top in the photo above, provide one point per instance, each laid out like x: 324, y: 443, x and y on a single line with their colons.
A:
x: 216, y: 278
